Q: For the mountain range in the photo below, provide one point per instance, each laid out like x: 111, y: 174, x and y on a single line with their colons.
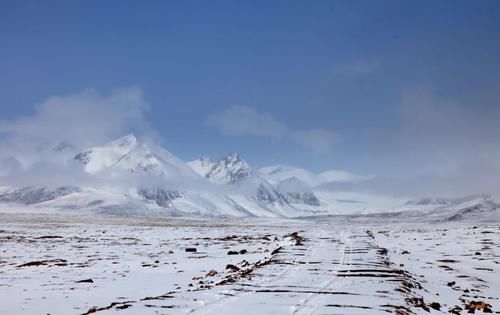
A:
x: 128, y: 176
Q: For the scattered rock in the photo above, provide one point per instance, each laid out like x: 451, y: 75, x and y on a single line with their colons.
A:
x: 232, y: 252
x: 418, y: 302
x: 478, y: 306
x: 405, y: 252
x: 122, y: 307
x: 448, y: 261
x: 274, y: 252
x: 299, y: 240
x: 91, y: 310
x: 229, y: 238
x: 457, y: 310
x: 48, y: 237
x: 243, y: 252
x: 450, y: 284
x: 57, y: 262
x: 383, y: 251
x: 85, y: 281
x: 190, y: 250
x: 435, y: 305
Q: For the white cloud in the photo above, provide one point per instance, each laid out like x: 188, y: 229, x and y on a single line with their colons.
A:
x: 318, y: 140
x: 442, y: 148
x: 445, y: 135
x: 245, y: 121
x: 83, y: 119
x: 86, y: 117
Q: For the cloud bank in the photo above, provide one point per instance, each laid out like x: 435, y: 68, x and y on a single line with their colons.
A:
x: 82, y: 119
x: 441, y: 148
x: 37, y: 149
x: 245, y: 121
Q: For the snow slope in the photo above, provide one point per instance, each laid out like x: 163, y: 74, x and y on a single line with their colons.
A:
x: 280, y: 173
x: 202, y: 166
x: 227, y: 170
x: 130, y: 155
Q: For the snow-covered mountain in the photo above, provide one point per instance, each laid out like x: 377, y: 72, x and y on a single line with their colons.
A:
x: 202, y: 166
x: 130, y: 176
x: 233, y: 171
x: 227, y: 170
x: 134, y: 177
x: 429, y: 201
x: 34, y: 195
x: 279, y: 173
x: 130, y: 155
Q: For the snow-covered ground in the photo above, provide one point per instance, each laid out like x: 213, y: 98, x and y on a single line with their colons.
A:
x: 54, y: 263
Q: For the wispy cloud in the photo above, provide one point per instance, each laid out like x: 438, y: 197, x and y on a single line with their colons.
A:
x: 445, y: 134
x: 442, y: 147
x: 245, y: 121
x: 242, y: 121
x: 318, y: 140
x: 87, y: 117
x: 82, y: 120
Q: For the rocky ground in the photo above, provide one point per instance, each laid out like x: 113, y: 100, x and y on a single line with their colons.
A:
x: 82, y: 265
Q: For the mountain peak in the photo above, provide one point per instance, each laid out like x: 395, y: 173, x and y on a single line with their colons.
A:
x: 229, y: 169
x: 127, y: 154
x: 234, y: 158
x: 205, y: 160
x: 99, y: 158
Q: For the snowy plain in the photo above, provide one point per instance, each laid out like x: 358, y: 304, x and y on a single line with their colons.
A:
x: 56, y: 263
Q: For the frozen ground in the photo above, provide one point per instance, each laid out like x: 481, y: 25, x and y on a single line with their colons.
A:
x: 55, y: 264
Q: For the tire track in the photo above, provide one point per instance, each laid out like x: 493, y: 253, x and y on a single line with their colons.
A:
x: 229, y: 296
x: 309, y: 305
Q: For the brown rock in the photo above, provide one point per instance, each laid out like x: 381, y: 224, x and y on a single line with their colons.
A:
x: 478, y: 306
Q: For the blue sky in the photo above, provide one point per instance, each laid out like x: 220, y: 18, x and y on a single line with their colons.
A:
x: 366, y: 74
